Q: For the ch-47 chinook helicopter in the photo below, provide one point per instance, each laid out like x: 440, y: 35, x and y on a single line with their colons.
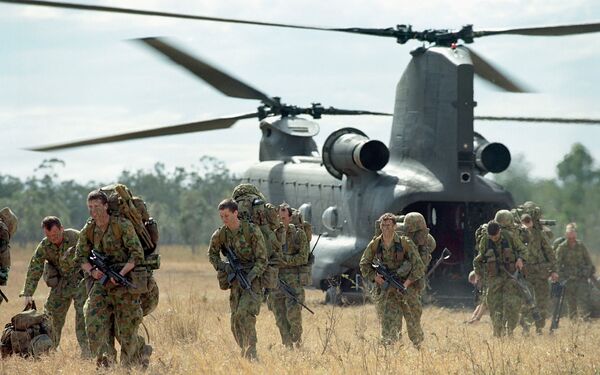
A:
x: 435, y: 163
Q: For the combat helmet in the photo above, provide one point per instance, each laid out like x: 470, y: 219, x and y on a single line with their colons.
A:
x: 505, y: 218
x: 414, y: 221
x: 10, y: 219
x: 41, y: 344
x: 246, y: 189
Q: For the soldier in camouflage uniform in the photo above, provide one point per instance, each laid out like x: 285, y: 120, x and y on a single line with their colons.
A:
x: 541, y: 264
x: 63, y: 277
x: 288, y: 313
x: 115, y: 238
x: 8, y: 227
x: 575, y: 265
x: 246, y: 241
x: 400, y: 255
x: 499, y: 254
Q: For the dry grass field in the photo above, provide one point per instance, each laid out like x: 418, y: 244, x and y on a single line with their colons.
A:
x: 190, y: 334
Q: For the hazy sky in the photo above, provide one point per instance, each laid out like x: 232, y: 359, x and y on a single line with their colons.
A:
x: 67, y: 75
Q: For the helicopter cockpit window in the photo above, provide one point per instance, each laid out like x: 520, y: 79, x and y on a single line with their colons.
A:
x: 330, y: 218
x: 306, y: 212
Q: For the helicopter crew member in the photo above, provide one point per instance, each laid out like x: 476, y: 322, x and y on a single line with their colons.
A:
x: 8, y: 227
x: 575, y: 265
x: 64, y: 278
x: 498, y: 254
x: 247, y: 243
x: 541, y: 264
x: 104, y: 301
x: 400, y: 255
x: 288, y: 313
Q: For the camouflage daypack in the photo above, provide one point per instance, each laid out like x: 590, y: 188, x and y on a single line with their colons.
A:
x: 253, y: 207
x: 27, y: 334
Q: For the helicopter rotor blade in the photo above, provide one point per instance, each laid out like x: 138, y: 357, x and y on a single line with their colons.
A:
x: 555, y: 120
x: 352, y: 112
x: 545, y: 30
x: 218, y: 79
x: 192, y: 127
x: 487, y: 71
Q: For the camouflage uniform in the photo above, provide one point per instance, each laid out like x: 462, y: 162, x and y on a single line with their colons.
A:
x: 104, y: 301
x: 403, y: 258
x: 249, y: 246
x: 574, y: 263
x: 502, y: 293
x: 541, y: 262
x: 70, y: 285
x: 288, y: 314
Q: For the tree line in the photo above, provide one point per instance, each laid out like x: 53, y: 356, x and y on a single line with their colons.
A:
x: 183, y: 200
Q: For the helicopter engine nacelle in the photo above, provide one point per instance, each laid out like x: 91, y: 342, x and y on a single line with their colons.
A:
x: 490, y: 156
x: 349, y: 151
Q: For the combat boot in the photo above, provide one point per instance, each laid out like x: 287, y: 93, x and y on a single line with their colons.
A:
x: 145, y: 354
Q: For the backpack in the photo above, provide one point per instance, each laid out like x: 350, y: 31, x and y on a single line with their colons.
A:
x: 27, y: 334
x: 122, y: 203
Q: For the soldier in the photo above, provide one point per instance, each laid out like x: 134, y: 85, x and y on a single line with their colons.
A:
x: 55, y: 252
x: 8, y: 227
x: 247, y: 243
x: 575, y: 264
x: 499, y: 254
x: 288, y: 313
x: 400, y: 255
x: 115, y: 238
x: 541, y: 264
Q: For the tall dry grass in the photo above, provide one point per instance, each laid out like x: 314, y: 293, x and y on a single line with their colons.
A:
x: 190, y: 333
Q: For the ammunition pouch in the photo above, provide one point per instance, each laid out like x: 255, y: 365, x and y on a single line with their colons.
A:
x: 51, y: 275
x: 306, y: 271
x: 492, y: 268
x: 139, y: 277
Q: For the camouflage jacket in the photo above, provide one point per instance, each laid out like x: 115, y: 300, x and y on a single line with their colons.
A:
x: 295, y: 247
x: 487, y: 255
x: 574, y: 262
x: 539, y: 251
x: 126, y: 249
x: 247, y: 243
x: 57, y: 256
x: 402, y: 256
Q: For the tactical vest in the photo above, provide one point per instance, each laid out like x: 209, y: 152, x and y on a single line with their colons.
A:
x: 399, y: 253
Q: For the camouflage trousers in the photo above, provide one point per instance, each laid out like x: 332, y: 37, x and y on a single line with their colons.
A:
x: 504, y: 300
x: 577, y: 296
x: 149, y: 301
x: 245, y: 306
x: 288, y: 313
x: 57, y: 305
x: 104, y: 302
x: 391, y: 306
x: 539, y: 286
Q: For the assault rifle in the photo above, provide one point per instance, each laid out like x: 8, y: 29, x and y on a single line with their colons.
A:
x: 237, y: 271
x: 289, y: 292
x: 390, y: 278
x: 529, y: 298
x: 557, y: 291
x: 3, y: 296
x: 445, y: 255
x: 100, y: 262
